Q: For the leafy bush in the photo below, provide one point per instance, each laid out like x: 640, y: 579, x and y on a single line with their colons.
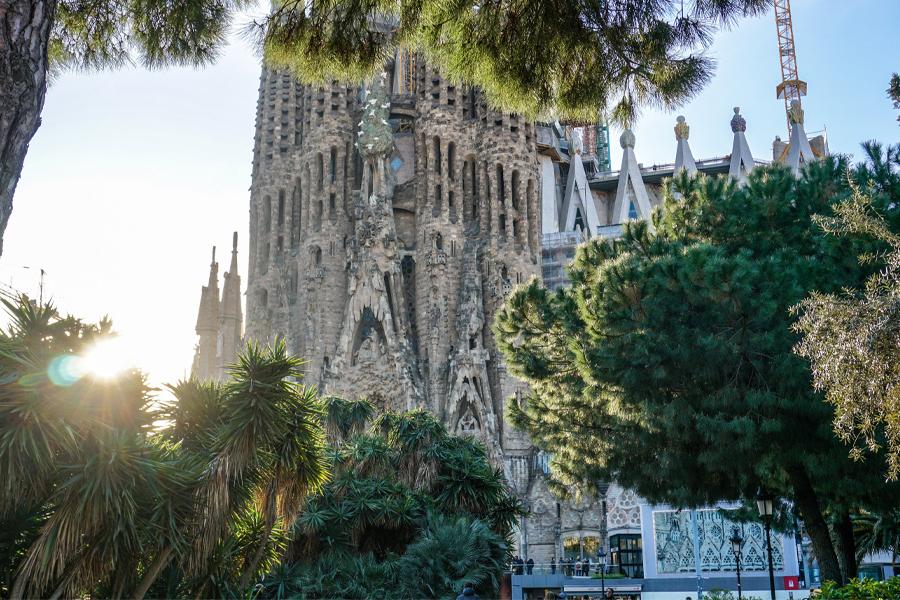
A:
x: 861, y: 589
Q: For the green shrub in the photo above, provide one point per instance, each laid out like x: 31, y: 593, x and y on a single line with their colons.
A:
x: 861, y: 589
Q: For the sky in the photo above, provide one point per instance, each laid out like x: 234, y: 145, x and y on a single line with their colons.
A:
x: 134, y: 175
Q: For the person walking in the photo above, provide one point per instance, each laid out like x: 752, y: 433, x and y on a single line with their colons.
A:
x: 468, y: 593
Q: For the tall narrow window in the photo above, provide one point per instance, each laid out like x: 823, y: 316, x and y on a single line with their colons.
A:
x: 451, y: 160
x: 280, y: 208
x: 320, y: 168
x: 267, y: 212
x: 333, y: 165
x: 515, y: 190
x: 437, y: 155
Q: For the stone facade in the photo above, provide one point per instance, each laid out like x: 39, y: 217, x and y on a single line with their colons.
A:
x: 388, y: 222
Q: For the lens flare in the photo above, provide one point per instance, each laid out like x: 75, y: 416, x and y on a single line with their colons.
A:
x: 107, y: 359
x: 65, y: 370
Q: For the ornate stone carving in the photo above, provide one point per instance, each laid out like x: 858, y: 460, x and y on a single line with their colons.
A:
x: 795, y: 113
x: 738, y: 123
x: 682, y: 129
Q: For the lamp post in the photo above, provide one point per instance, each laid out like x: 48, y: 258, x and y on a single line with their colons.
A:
x: 736, y: 543
x: 764, y: 504
x: 601, y: 558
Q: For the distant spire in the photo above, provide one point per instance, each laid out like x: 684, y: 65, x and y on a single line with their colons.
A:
x: 208, y: 324
x: 231, y: 322
x: 233, y: 268
x: 231, y: 289
x: 213, y: 270
x: 683, y: 157
x: 741, y: 159
x: 632, y: 200
x: 799, y: 151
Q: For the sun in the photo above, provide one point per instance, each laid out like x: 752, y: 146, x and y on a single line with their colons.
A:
x: 107, y: 358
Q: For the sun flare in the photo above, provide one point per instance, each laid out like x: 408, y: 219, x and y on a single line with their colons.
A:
x: 107, y: 358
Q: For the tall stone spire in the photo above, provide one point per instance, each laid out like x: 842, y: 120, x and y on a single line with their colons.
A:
x: 231, y: 323
x: 799, y: 151
x: 632, y: 201
x: 683, y: 157
x: 741, y: 159
x: 207, y: 325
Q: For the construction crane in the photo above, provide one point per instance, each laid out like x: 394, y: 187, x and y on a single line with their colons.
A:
x: 791, y: 86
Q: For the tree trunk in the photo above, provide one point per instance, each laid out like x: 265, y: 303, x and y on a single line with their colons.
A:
x: 254, y: 562
x: 816, y: 527
x: 844, y: 529
x: 152, y: 573
x: 25, y: 27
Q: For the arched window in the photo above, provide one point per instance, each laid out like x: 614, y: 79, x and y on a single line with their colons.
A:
x: 280, y: 208
x: 317, y: 256
x: 501, y: 185
x: 438, y: 242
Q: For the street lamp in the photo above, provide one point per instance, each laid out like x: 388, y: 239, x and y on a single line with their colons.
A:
x: 764, y: 503
x: 736, y: 543
x: 601, y: 557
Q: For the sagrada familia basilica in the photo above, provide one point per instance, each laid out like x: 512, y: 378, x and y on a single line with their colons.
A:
x: 388, y: 223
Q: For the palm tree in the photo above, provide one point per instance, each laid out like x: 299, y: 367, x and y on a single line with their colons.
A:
x: 877, y: 533
x: 401, y: 487
x: 112, y: 499
x: 451, y: 553
x: 346, y: 418
x: 74, y: 449
x: 269, y: 449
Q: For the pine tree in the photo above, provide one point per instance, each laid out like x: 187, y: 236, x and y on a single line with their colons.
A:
x: 893, y: 91
x: 40, y: 37
x: 667, y: 366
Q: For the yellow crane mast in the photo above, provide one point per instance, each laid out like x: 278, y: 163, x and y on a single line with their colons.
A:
x: 791, y: 86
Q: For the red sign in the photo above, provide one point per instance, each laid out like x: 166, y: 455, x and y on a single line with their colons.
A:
x: 791, y: 582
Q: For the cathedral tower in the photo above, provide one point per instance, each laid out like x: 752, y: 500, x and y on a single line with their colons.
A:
x: 388, y: 222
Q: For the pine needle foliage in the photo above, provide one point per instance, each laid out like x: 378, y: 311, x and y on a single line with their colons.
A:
x: 556, y: 57
x: 90, y: 34
x: 668, y: 365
